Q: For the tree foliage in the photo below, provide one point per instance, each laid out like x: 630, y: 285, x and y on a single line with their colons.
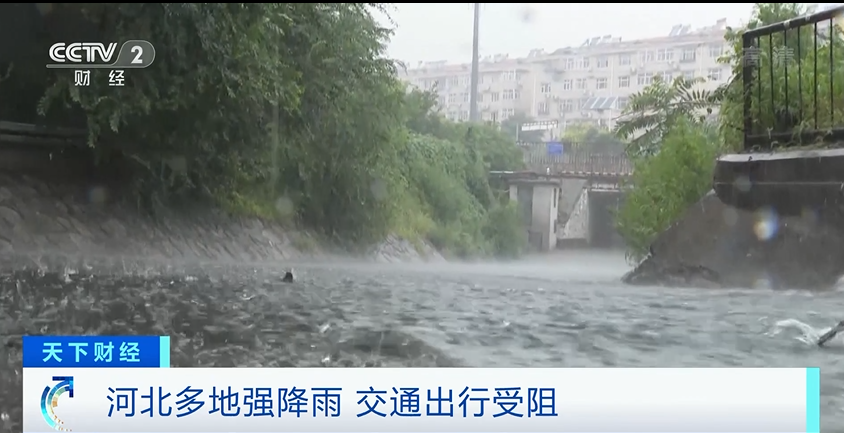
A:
x: 512, y: 127
x: 594, y: 140
x: 290, y: 110
x: 672, y: 144
x: 651, y: 113
x: 666, y: 184
x: 446, y: 169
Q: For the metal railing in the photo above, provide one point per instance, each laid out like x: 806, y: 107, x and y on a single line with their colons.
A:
x: 13, y: 133
x: 577, y: 162
x: 793, y: 93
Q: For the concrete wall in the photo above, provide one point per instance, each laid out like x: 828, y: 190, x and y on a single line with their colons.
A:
x: 544, y: 221
x: 568, y: 214
x: 55, y: 204
x: 570, y: 190
x: 577, y: 226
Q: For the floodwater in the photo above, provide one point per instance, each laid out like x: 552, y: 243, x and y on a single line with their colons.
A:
x: 563, y: 310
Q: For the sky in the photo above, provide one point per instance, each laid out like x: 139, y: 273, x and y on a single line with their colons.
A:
x: 443, y: 31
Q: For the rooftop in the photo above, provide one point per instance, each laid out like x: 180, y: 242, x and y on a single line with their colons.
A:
x: 678, y: 33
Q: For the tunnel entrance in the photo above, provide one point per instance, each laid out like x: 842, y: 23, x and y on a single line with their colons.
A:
x: 603, y: 206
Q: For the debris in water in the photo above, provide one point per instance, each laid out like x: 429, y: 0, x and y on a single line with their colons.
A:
x: 288, y: 277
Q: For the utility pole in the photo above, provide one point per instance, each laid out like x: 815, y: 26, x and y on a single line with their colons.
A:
x: 474, y: 115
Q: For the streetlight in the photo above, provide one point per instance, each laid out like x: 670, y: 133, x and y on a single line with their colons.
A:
x: 473, y: 92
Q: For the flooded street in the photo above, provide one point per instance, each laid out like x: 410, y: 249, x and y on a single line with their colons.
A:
x: 564, y: 310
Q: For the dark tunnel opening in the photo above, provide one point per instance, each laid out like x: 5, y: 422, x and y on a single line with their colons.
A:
x: 603, y: 206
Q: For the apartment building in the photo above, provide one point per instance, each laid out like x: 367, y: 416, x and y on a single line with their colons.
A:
x: 589, y: 84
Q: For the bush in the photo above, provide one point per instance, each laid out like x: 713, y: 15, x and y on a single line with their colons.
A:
x: 666, y: 184
x: 287, y: 110
x: 448, y: 182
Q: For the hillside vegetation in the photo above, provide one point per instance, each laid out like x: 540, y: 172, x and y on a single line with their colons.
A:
x: 291, y: 111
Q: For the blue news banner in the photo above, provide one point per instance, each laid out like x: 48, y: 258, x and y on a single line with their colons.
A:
x: 96, y: 352
x: 99, y: 384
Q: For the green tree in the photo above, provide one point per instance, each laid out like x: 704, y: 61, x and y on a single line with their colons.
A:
x: 674, y: 147
x: 259, y: 102
x: 593, y: 139
x: 512, y: 127
x: 446, y: 172
x: 653, y: 111
x: 666, y: 184
x: 290, y: 110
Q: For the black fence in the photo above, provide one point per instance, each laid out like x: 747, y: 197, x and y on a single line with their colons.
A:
x: 793, y: 77
x: 29, y: 135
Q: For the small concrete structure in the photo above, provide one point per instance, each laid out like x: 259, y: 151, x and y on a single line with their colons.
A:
x: 560, y: 211
x: 538, y: 199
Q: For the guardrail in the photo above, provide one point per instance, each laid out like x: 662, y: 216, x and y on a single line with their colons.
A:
x: 792, y: 87
x: 13, y: 133
x: 576, y: 163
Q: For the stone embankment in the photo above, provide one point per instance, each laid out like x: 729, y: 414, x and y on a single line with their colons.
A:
x: 85, y: 220
x: 715, y: 245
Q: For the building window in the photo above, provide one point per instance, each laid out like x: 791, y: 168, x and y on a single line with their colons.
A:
x: 493, y: 97
x: 480, y: 97
x: 567, y: 105
x: 621, y: 103
x: 464, y: 115
x: 623, y: 59
x: 507, y: 113
x: 645, y: 79
x: 602, y: 62
x: 509, y: 76
x: 452, y: 115
x: 545, y: 88
x: 490, y: 78
x: 569, y: 64
x: 689, y: 75
x: 567, y: 85
x: 665, y: 55
x: 714, y: 74
x: 583, y: 63
x: 543, y: 109
x: 689, y: 55
x: 509, y: 95
x: 646, y: 56
x: 493, y: 117
x: 581, y: 83
x: 464, y: 81
x: 667, y: 77
x: 452, y: 98
x: 453, y: 82
x: 716, y: 50
x: 623, y: 82
x: 601, y: 83
x: 465, y: 97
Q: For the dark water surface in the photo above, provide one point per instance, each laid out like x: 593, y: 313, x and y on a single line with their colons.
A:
x: 565, y: 310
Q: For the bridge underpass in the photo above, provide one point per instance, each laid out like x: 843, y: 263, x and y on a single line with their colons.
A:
x: 569, y: 200
x: 592, y: 220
